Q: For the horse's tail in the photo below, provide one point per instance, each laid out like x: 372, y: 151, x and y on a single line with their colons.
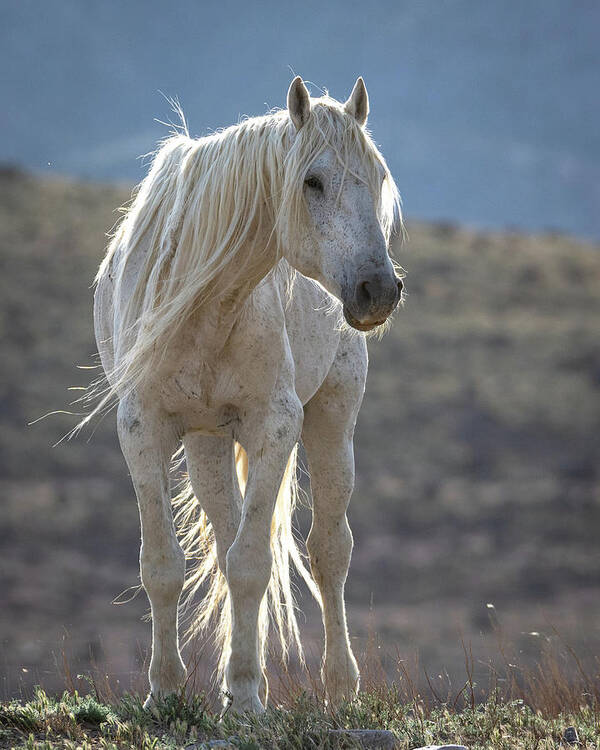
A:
x: 198, y: 542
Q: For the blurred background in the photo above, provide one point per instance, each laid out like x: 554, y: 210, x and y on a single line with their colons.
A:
x: 478, y: 487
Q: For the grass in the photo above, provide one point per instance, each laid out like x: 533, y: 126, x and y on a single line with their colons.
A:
x: 520, y: 707
x: 76, y: 721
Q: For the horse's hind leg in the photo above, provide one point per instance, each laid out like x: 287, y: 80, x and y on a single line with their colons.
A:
x: 212, y: 472
x: 270, y: 440
x: 327, y: 436
x: 211, y: 469
x: 148, y: 442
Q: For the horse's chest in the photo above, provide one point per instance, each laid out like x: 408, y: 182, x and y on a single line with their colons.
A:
x: 313, y: 333
x: 211, y: 388
x: 211, y: 381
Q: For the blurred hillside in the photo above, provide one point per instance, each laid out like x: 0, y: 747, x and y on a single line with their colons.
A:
x: 477, y: 447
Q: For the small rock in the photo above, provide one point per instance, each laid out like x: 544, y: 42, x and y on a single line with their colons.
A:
x: 570, y: 736
x: 370, y: 739
x: 442, y: 747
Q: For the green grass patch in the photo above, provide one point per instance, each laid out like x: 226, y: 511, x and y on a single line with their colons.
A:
x: 75, y: 721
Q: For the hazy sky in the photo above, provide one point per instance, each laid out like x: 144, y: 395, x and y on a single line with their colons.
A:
x: 486, y: 111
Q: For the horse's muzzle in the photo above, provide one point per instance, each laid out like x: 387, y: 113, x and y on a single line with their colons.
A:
x: 375, y: 298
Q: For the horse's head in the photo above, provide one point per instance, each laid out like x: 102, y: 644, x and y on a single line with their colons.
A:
x: 350, y: 204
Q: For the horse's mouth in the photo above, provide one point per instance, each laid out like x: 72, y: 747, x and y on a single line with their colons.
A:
x: 354, y: 323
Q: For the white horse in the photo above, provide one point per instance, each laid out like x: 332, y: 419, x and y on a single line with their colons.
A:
x: 218, y: 317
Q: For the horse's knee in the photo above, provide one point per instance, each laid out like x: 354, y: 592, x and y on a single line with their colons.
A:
x: 163, y: 573
x: 248, y: 569
x: 330, y: 546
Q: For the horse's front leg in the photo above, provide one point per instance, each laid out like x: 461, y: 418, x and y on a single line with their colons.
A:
x: 328, y: 441
x: 148, y: 442
x: 249, y: 558
x: 331, y: 466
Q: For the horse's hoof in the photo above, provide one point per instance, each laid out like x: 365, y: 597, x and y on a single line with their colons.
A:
x: 250, y: 704
x: 150, y: 702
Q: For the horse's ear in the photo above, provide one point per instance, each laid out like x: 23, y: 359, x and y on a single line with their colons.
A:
x: 298, y: 102
x: 358, y: 103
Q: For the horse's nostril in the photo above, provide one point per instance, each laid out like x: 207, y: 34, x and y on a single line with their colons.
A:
x: 363, y: 292
x: 400, y: 285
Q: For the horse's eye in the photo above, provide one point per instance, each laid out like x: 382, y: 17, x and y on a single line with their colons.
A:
x: 314, y: 183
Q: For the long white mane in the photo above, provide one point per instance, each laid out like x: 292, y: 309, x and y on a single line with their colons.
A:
x: 213, y: 216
